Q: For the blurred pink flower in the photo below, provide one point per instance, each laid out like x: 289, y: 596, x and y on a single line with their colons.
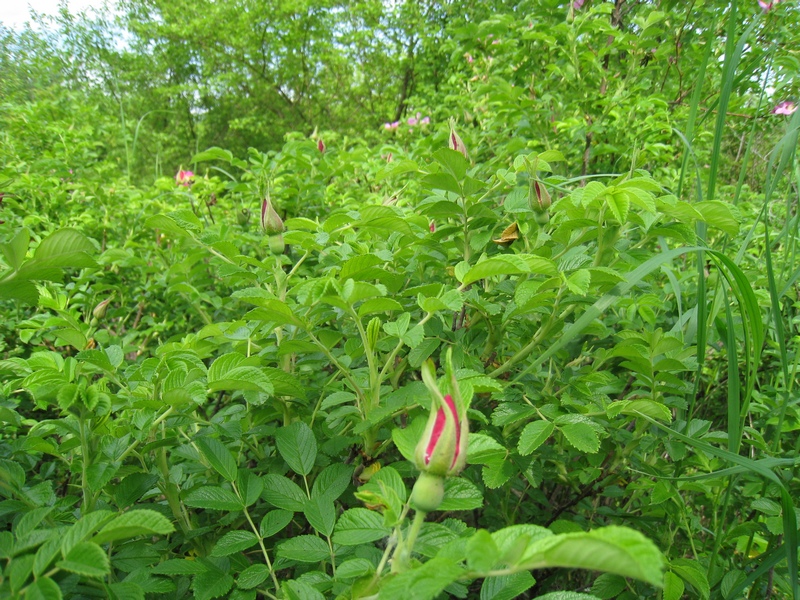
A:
x: 765, y: 6
x: 391, y: 126
x: 787, y: 107
x: 184, y: 178
x: 578, y: 4
x: 425, y: 120
x: 469, y: 58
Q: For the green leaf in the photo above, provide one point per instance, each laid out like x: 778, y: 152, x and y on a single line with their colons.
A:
x: 297, y: 446
x: 43, y: 588
x: 719, y: 214
x: 321, y: 514
x: 693, y: 574
x: 482, y: 552
x: 506, y: 587
x: 534, y: 435
x: 422, y: 583
x: 166, y: 225
x: 214, y: 498
x: 211, y: 584
x: 180, y: 566
x: 134, y: 523
x: 510, y: 264
x: 354, y: 568
x: 332, y: 481
x: 234, y: 541
x: 284, y: 493
x: 274, y: 521
x: 617, y: 550
x: 619, y: 203
x: 250, y: 486
x: 581, y: 436
x: 673, y: 586
x: 566, y: 596
x: 213, y: 153
x: 578, y: 282
x: 133, y: 487
x: 359, y: 526
x: 252, y: 576
x: 482, y: 449
x: 300, y: 590
x: 218, y: 456
x: 86, y: 559
x: 608, y: 586
x: 304, y: 548
x: 460, y: 494
x: 14, y: 251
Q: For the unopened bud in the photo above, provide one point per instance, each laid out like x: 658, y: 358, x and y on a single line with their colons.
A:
x: 271, y: 222
x: 373, y: 331
x: 243, y: 216
x: 320, y: 145
x: 455, y: 141
x: 539, y: 197
x: 100, y: 310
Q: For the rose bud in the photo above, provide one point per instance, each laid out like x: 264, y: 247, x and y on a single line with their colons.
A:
x: 271, y: 222
x: 539, y: 197
x: 320, y: 145
x: 442, y: 450
x: 455, y: 141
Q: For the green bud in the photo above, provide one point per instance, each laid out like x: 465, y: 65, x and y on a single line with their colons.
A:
x: 428, y: 492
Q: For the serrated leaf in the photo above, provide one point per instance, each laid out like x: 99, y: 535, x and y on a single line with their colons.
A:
x: 284, y: 493
x: 673, y: 586
x: 506, y: 587
x: 304, y: 548
x: 274, y: 521
x: 43, y: 588
x: 332, y: 481
x: 617, y: 550
x: 134, y: 523
x: 692, y: 573
x: 234, y: 541
x: 321, y: 514
x: 578, y: 282
x: 581, y: 436
x: 619, y: 203
x: 422, y: 583
x: 482, y: 552
x: 252, y: 576
x: 297, y: 446
x: 86, y: 559
x: 534, y: 435
x: 359, y: 526
x: 218, y: 456
x: 180, y: 566
x: 211, y: 585
x: 214, y: 498
x: 460, y: 494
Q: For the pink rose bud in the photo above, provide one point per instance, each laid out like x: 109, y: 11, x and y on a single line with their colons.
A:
x: 442, y: 450
x: 271, y: 222
x: 539, y: 197
x: 432, y: 226
x: 784, y: 108
x: 455, y: 141
x: 320, y: 145
x: 184, y: 178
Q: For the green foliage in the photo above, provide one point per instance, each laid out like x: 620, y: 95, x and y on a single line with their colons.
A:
x: 191, y: 408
